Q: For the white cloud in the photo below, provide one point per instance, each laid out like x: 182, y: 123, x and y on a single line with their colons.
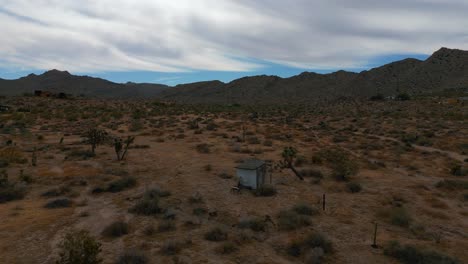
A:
x: 182, y: 35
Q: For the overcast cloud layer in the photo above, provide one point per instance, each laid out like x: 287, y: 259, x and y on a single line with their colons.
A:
x: 222, y: 35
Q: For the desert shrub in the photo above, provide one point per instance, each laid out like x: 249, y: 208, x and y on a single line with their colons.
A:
x: 59, y: 203
x: 203, y: 148
x: 397, y: 216
x: 121, y: 184
x: 148, y: 205
x: 225, y: 175
x: 216, y: 234
x: 290, y: 220
x: 265, y: 190
x: 354, y: 187
x: 318, y: 240
x: 166, y: 226
x: 211, y: 126
x: 55, y: 192
x: 82, y: 154
x: 304, y: 209
x: 227, y: 248
x: 342, y: 165
x: 200, y: 211
x: 453, y: 184
x: 208, y: 167
x: 311, y: 242
x: 465, y: 197
x: 116, y: 229
x: 4, y: 163
x: 12, y: 155
x: 253, y: 140
x: 458, y: 170
x: 132, y: 257
x: 79, y: 247
x: 254, y: 224
x: 11, y: 192
x: 409, y: 254
x: 195, y: 199
x: 157, y: 192
x: 170, y: 248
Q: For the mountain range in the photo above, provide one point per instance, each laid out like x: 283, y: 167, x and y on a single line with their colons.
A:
x: 445, y: 69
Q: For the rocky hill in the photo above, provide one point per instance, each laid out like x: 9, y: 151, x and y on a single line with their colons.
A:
x: 445, y: 69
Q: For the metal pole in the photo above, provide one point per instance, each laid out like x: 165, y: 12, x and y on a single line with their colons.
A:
x: 323, y: 202
x: 375, y: 236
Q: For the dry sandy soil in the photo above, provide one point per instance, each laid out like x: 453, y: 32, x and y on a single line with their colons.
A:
x: 404, y: 152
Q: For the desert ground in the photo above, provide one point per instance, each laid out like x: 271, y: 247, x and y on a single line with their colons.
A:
x: 400, y: 164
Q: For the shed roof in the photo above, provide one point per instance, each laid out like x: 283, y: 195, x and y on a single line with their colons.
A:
x: 251, y: 164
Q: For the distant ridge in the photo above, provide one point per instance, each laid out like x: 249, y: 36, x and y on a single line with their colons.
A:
x: 446, y: 68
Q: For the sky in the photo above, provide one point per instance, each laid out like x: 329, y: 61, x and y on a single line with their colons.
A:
x: 181, y: 41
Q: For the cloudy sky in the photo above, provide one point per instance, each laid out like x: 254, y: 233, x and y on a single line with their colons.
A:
x: 177, y: 41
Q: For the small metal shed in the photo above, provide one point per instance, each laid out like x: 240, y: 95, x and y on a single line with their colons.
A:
x: 252, y: 173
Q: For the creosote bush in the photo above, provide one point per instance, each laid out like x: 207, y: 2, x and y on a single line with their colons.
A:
x: 59, y: 203
x: 290, y: 220
x: 132, y: 257
x: 227, y: 248
x: 311, y: 242
x: 353, y: 187
x: 79, y: 247
x: 304, y: 209
x: 121, y: 184
x: 254, y: 224
x: 410, y: 254
x: 216, y: 234
x: 116, y: 229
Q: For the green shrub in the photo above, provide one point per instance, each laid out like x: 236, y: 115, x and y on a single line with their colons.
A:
x: 410, y: 254
x: 318, y: 240
x: 10, y: 192
x: 227, y: 248
x: 304, y: 209
x: 341, y: 164
x: 203, y: 148
x: 265, y: 190
x: 78, y: 247
x: 170, y: 248
x: 146, y: 206
x: 59, y: 203
x: 354, y: 187
x: 458, y: 170
x: 121, y: 184
x: 397, y: 216
x: 166, y: 226
x: 453, y: 184
x: 255, y: 224
x: 116, y: 229
x: 132, y: 257
x: 216, y: 234
x: 55, y: 192
x: 200, y: 211
x: 311, y: 242
x: 290, y: 220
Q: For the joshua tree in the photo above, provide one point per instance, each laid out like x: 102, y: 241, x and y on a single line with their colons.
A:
x: 121, y: 146
x: 95, y: 137
x: 289, y: 155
